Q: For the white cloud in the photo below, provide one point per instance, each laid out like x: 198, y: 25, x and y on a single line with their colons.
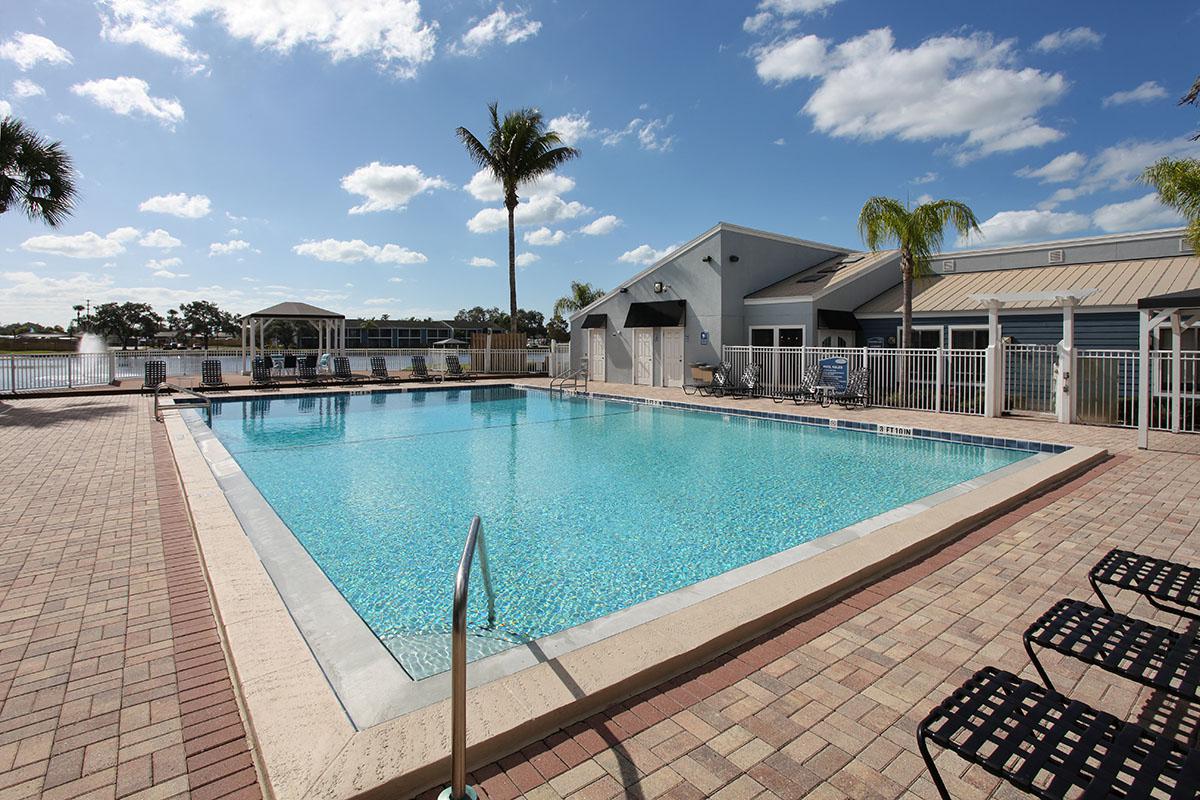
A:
x: 1144, y: 212
x: 83, y: 245
x: 388, y: 187
x: 645, y: 254
x: 538, y: 209
x: 382, y: 301
x: 188, y: 206
x: 499, y: 26
x: 572, y: 128
x: 5, y: 108
x: 756, y: 22
x: 928, y: 177
x: 1009, y: 227
x: 647, y: 132
x: 780, y: 142
x: 26, y: 50
x: 1069, y: 39
x: 391, y: 32
x: 525, y: 259
x: 790, y: 7
x: 922, y: 199
x: 963, y: 88
x: 1142, y: 93
x: 395, y: 280
x: 128, y: 96
x: 159, y: 238
x: 163, y: 263
x: 487, y: 189
x: 601, y: 225
x: 480, y: 261
x: 356, y: 250
x: 544, y: 237
x: 23, y: 87
x: 1119, y: 166
x: 1059, y: 169
x: 232, y: 246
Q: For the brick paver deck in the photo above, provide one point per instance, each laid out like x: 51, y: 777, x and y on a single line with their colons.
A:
x: 113, y: 678
x: 115, y: 684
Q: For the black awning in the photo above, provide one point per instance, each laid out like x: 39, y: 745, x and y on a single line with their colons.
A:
x: 660, y: 314
x: 837, y: 320
x: 595, y: 321
x: 1188, y: 298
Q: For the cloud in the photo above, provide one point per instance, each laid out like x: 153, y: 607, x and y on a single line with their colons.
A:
x: 928, y: 177
x: 163, y: 267
x: 159, y: 238
x: 499, y: 26
x: 27, y: 50
x: 756, y: 22
x: 645, y: 254
x: 602, y: 225
x: 388, y: 187
x: 5, y: 108
x: 188, y: 206
x: 539, y: 209
x: 780, y: 142
x: 356, y: 250
x: 922, y: 199
x: 572, y: 128
x: 544, y: 237
x: 1143, y: 93
x: 1144, y: 212
x: 1119, y: 166
x: 1059, y: 169
x: 525, y: 259
x: 1008, y: 227
x: 790, y: 7
x: 480, y: 261
x: 382, y: 301
x: 232, y: 246
x: 128, y: 96
x: 647, y: 132
x: 22, y: 88
x: 83, y: 245
x: 391, y: 32
x: 485, y: 188
x: 1069, y: 39
x: 963, y: 88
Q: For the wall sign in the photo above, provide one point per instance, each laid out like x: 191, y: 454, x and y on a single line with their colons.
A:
x: 835, y: 372
x: 703, y: 337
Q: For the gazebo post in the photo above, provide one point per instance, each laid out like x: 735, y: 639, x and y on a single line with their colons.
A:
x: 1176, y: 369
x: 243, y: 345
x: 1144, y: 378
x: 1066, y: 363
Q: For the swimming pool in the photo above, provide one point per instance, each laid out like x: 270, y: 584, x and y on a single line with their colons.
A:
x: 590, y: 506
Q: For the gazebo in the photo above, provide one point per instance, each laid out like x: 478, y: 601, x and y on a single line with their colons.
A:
x: 331, y: 328
x: 1180, y: 310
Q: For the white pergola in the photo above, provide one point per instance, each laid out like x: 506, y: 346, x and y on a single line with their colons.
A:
x: 1180, y: 310
x: 1066, y: 299
x: 331, y: 328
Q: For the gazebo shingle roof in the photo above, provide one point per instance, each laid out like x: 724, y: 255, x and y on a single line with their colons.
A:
x: 297, y: 311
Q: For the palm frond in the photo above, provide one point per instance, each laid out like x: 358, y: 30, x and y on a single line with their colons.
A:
x: 35, y: 175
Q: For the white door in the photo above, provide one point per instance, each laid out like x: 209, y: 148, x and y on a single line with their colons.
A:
x: 672, y: 355
x: 596, y: 354
x: 643, y: 356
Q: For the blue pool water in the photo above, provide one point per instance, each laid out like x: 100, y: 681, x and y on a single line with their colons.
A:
x: 589, y: 506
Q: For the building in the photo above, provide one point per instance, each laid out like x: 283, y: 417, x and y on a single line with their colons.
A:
x: 739, y: 286
x: 415, y: 333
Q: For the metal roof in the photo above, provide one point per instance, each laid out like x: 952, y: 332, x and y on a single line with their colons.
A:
x: 825, y: 275
x: 296, y: 311
x: 1116, y: 283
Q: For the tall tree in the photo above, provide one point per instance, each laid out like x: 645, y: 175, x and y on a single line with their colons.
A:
x: 918, y: 233
x: 518, y: 150
x: 124, y: 321
x: 36, y: 176
x: 1178, y: 180
x: 204, y: 319
x: 581, y: 295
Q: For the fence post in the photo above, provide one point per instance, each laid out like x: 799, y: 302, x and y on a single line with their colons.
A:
x: 487, y: 353
x: 939, y: 374
x: 12, y: 374
x: 989, y: 381
x: 112, y: 367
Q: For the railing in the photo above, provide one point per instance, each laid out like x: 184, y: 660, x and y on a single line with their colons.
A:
x: 573, y: 378
x: 170, y: 387
x: 458, y: 655
x: 1029, y: 377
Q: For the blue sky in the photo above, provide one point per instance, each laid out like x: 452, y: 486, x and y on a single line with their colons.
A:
x: 249, y: 151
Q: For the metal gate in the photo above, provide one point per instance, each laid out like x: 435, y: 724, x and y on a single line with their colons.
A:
x: 1030, y: 371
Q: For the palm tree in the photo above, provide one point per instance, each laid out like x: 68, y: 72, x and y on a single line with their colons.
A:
x: 582, y: 295
x: 35, y: 175
x: 518, y: 150
x: 918, y: 233
x: 1178, y: 183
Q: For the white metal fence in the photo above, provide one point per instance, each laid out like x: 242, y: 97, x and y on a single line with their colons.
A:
x: 1106, y: 382
x: 31, y: 373
x: 1029, y: 377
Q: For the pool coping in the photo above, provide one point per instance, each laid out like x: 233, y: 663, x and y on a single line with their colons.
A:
x: 367, y: 678
x: 309, y: 748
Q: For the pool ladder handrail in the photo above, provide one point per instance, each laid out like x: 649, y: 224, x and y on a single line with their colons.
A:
x: 458, y: 789
x: 164, y: 386
x: 573, y: 377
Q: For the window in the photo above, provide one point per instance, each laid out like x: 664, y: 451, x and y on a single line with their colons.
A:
x: 925, y: 337
x: 1189, y: 341
x: 968, y: 338
x: 777, y: 337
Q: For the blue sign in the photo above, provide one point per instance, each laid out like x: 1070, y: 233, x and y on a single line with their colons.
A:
x: 703, y: 337
x: 835, y: 372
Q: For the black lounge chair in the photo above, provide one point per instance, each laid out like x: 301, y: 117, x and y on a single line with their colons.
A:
x: 420, y: 370
x: 155, y: 375
x: 260, y: 374
x: 1141, y: 651
x: 289, y: 363
x: 306, y: 371
x: 455, y: 371
x: 1167, y: 585
x: 749, y: 384
x: 210, y: 375
x: 379, y: 371
x: 806, y: 390
x: 342, y: 372
x: 1052, y: 746
x: 716, y: 387
x: 854, y: 393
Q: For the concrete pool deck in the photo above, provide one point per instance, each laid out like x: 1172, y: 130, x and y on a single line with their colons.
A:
x: 836, y: 688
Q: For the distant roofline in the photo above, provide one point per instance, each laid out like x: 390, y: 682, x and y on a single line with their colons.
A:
x: 1132, y: 236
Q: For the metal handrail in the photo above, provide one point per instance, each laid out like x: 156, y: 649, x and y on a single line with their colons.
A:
x: 458, y: 789
x: 573, y: 376
x: 158, y: 417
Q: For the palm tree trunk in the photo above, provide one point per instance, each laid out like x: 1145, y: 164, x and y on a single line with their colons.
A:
x: 906, y: 278
x: 512, y: 271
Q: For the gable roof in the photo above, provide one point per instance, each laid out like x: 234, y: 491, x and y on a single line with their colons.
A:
x: 296, y: 310
x: 814, y: 280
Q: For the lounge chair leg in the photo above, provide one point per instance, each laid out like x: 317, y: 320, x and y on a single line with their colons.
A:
x: 1103, y: 600
x: 923, y: 746
x: 1163, y: 607
x: 1037, y: 664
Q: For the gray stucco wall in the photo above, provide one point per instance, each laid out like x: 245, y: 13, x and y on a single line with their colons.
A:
x: 1080, y: 252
